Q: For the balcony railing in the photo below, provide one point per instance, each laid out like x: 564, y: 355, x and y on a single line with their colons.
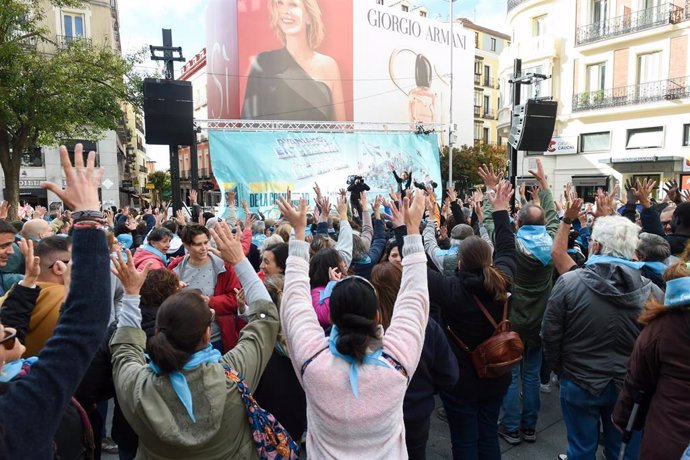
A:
x: 143, y: 169
x: 63, y: 41
x: 648, y: 18
x: 203, y: 173
x: 477, y: 111
x: 664, y: 90
x: 185, y: 174
x: 513, y: 3
x: 477, y: 79
x: 489, y: 82
x: 489, y: 114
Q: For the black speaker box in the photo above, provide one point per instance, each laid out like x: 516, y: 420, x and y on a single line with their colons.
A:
x: 168, y: 112
x: 533, y: 124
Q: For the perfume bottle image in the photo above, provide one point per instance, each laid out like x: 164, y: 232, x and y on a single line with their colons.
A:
x: 422, y: 100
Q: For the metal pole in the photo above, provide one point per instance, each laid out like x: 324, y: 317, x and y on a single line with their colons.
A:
x: 174, y: 157
x: 450, y: 122
x: 194, y: 164
x: 512, y: 152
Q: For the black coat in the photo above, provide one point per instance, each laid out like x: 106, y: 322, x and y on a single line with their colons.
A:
x: 455, y: 294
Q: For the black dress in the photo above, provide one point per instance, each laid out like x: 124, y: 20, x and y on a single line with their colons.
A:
x: 279, y: 89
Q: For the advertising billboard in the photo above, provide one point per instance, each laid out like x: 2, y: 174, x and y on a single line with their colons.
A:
x: 283, y: 160
x: 336, y: 60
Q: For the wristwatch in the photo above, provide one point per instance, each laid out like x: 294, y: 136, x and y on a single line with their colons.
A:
x: 567, y: 220
x: 79, y: 216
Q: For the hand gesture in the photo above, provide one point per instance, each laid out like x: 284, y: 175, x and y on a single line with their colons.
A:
x: 342, y: 192
x: 443, y: 232
x: 573, y: 210
x: 342, y: 207
x: 452, y: 194
x: 671, y: 189
x: 397, y: 217
x: 229, y: 244
x: 32, y: 264
x: 325, y: 206
x: 540, y: 175
x: 413, y: 211
x: 364, y: 201
x: 500, y: 198
x: 4, y: 209
x: 125, y: 211
x: 193, y: 194
x: 131, y: 278
x: 334, y: 274
x: 158, y: 216
x: 643, y: 191
x: 109, y: 218
x: 605, y: 203
x: 296, y: 217
x: 523, y: 190
x: 131, y: 224
x: 179, y: 218
x: 241, y: 300
x: 479, y: 212
x: 202, y: 219
x: 489, y: 175
x: 39, y: 212
x: 245, y: 207
x: 317, y: 191
x: 377, y: 206
x: 249, y: 220
x: 534, y: 191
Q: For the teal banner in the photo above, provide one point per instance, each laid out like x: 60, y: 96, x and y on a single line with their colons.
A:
x: 260, y: 166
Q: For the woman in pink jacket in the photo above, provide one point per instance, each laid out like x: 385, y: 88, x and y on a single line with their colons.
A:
x: 154, y: 251
x: 356, y: 379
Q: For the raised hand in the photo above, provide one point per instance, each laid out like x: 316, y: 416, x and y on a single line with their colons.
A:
x: 229, y: 244
x: 241, y: 300
x: 500, y: 198
x: 413, y: 211
x: 158, y: 216
x: 452, y: 194
x: 364, y: 201
x: 534, y: 191
x: 317, y: 191
x: 397, y: 217
x: 245, y: 207
x: 334, y: 274
x: 377, y: 206
x: 478, y: 211
x: 4, y: 209
x: 193, y: 194
x: 489, y: 175
x: 81, y: 189
x: 671, y: 189
x: 131, y: 278
x: 605, y: 203
x: 249, y: 220
x: 540, y: 175
x: 573, y: 210
x: 643, y: 191
x: 32, y: 264
x: 342, y: 207
x: 297, y: 217
x: 179, y: 218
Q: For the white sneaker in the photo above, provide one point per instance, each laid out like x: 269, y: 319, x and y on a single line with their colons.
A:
x: 545, y: 387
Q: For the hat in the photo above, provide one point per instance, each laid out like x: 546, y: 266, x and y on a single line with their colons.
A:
x: 126, y: 240
x: 461, y: 231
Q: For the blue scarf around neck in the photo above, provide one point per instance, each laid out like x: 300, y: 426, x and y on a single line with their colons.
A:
x: 677, y: 292
x: 602, y: 259
x: 152, y: 250
x: 12, y: 368
x: 370, y: 358
x: 537, y: 241
x: 179, y: 381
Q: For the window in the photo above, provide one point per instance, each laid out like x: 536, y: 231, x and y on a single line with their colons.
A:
x: 539, y: 26
x: 645, y: 138
x: 422, y: 13
x: 649, y: 67
x: 599, y: 10
x: 478, y: 132
x: 477, y: 67
x: 487, y: 104
x: 32, y: 157
x: 493, y: 44
x: 73, y: 25
x: 686, y: 135
x: 596, y: 77
x: 486, y: 136
x: 379, y: 2
x: 405, y: 8
x: 595, y: 142
x: 476, y: 39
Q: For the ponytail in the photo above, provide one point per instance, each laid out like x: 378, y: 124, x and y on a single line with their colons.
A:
x: 355, y: 333
x: 165, y: 355
x: 495, y: 283
x: 476, y: 256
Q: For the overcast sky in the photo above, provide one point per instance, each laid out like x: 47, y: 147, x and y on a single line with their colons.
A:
x: 141, y: 23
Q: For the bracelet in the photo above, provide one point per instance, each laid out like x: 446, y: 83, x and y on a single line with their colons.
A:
x: 88, y: 224
x: 567, y: 220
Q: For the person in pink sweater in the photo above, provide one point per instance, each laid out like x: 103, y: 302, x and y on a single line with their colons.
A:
x: 355, y: 380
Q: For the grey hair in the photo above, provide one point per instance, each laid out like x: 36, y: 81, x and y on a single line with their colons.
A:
x: 617, y: 235
x: 526, y: 215
x: 653, y: 248
x: 258, y: 227
x: 271, y: 241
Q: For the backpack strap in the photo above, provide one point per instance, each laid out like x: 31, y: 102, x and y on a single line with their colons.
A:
x: 459, y: 342
x: 307, y: 362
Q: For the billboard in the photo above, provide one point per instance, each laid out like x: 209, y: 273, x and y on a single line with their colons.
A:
x: 336, y: 60
x: 282, y: 160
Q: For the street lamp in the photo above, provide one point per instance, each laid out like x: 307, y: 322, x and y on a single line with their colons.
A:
x: 451, y: 133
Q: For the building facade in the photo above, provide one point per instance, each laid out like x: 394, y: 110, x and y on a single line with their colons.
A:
x: 621, y: 76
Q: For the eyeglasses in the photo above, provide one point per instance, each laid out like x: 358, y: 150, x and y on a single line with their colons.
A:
x: 10, y: 338
x: 53, y: 264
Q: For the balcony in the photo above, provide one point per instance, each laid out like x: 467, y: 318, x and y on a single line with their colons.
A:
x: 648, y: 18
x: 184, y: 174
x: 139, y: 124
x: 664, y: 90
x: 63, y: 41
x: 514, y: 3
x: 142, y: 169
x: 477, y: 111
x: 489, y: 82
x: 477, y: 79
x: 203, y: 173
x: 489, y: 115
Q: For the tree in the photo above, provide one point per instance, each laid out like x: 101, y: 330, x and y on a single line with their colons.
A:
x: 161, y: 185
x: 51, y: 93
x: 467, y: 159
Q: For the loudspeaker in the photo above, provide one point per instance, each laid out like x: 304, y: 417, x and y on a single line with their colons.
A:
x: 533, y: 124
x: 168, y: 112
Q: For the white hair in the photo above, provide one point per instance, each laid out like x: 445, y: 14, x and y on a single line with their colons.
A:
x: 271, y: 241
x: 617, y: 235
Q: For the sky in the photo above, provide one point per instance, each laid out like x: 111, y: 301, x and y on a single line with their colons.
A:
x: 141, y: 23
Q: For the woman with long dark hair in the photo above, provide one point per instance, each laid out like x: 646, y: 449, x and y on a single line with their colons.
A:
x: 355, y: 380
x: 180, y: 403
x: 483, y: 278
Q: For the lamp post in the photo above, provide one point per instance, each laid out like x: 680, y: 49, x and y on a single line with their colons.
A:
x: 451, y: 133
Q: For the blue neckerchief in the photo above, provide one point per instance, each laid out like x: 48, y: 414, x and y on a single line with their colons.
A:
x: 178, y: 380
x: 326, y: 293
x: 152, y: 250
x: 126, y: 240
x: 258, y: 239
x: 537, y: 241
x: 657, y: 267
x: 370, y: 358
x: 12, y: 368
x: 677, y: 292
x: 600, y: 259
x: 364, y: 260
x: 281, y: 349
x: 453, y: 250
x: 124, y: 255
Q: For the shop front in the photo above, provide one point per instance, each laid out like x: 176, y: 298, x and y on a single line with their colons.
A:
x: 657, y: 168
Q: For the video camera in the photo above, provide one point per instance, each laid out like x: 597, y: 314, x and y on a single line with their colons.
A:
x: 353, y: 178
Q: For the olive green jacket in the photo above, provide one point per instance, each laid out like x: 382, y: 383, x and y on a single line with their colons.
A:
x: 152, y: 407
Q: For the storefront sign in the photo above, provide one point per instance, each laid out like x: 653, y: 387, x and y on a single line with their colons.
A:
x: 562, y: 145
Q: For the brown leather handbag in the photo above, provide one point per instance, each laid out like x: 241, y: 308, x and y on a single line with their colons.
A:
x: 497, y: 355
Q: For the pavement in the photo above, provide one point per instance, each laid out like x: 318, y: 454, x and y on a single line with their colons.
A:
x: 551, y: 435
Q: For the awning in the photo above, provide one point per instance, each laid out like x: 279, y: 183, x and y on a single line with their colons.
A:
x: 590, y: 181
x: 640, y: 159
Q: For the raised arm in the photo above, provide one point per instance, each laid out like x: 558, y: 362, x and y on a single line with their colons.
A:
x: 367, y: 227
x: 431, y: 246
x: 504, y: 239
x: 20, y: 301
x: 344, y: 244
x: 562, y: 261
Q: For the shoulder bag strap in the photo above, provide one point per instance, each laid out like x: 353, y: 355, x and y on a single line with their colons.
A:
x: 459, y: 342
x: 488, y: 315
x: 307, y: 362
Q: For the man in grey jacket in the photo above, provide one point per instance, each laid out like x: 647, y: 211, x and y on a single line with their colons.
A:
x: 589, y: 330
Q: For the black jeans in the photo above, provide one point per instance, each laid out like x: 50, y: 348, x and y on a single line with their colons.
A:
x: 416, y: 437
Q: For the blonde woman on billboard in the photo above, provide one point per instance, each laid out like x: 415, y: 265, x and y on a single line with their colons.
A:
x: 295, y: 82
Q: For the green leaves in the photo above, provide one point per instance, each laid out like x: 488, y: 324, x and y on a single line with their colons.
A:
x: 467, y: 159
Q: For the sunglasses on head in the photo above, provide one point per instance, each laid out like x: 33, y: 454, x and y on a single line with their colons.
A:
x: 8, y: 341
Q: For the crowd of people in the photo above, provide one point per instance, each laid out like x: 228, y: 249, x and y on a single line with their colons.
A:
x: 331, y: 331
